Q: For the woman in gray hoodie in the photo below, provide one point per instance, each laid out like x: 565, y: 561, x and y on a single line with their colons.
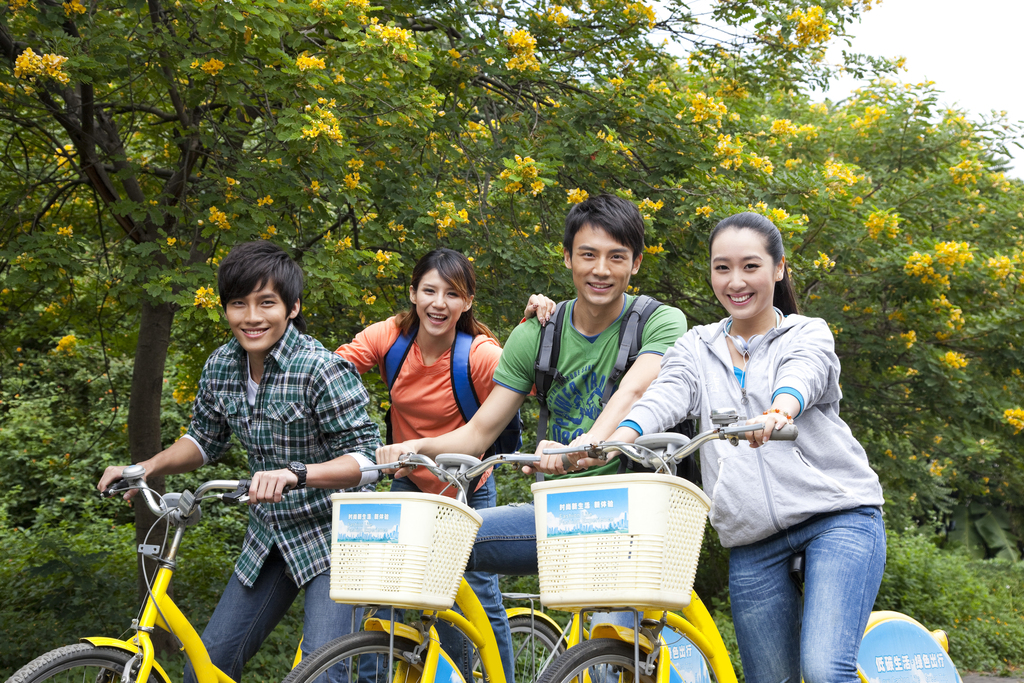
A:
x: 771, y: 499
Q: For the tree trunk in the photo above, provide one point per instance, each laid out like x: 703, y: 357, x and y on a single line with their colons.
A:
x: 144, y: 430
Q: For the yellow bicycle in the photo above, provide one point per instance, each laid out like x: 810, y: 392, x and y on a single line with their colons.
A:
x: 646, y: 555
x: 105, y: 660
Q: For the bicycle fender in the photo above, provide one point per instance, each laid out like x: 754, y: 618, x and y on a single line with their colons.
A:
x: 877, y: 618
x: 100, y: 641
x: 537, y: 614
x: 896, y: 643
x: 401, y: 630
x: 623, y: 633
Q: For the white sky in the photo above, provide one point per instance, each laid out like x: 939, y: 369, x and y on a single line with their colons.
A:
x: 969, y: 48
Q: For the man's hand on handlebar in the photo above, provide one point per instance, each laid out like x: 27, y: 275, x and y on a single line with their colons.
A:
x: 392, y: 452
x: 112, y: 475
x: 270, y: 486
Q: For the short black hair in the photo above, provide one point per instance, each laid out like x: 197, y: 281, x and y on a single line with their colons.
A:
x: 251, y: 265
x: 617, y: 217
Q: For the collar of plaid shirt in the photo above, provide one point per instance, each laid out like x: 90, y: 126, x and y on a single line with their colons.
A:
x: 284, y: 425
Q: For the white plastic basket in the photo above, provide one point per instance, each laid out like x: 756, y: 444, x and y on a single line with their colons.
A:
x: 402, y: 549
x: 622, y: 540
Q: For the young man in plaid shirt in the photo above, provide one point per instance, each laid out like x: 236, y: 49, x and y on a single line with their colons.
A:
x: 299, y: 410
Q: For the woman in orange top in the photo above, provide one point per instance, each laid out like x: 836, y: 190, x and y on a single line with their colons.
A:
x: 422, y: 399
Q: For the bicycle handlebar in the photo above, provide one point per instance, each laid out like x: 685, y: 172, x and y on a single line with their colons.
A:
x: 650, y: 450
x: 457, y: 469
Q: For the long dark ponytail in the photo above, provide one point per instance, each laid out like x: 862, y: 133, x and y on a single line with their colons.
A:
x: 784, y: 297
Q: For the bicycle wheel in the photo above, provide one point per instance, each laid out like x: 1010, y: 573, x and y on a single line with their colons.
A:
x: 74, y: 664
x: 601, y: 660
x: 369, y: 648
x: 535, y: 645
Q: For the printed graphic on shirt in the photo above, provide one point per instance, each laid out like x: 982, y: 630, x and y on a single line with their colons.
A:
x: 368, y: 523
x: 575, y: 513
x: 576, y: 403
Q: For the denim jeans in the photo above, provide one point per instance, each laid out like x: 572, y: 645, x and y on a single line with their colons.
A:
x: 781, y: 639
x: 485, y: 585
x: 244, y: 617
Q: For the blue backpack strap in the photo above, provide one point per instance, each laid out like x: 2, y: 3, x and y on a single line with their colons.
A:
x: 395, y: 356
x: 462, y: 382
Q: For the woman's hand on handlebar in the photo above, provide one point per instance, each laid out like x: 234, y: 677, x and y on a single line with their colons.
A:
x: 269, y: 486
x: 550, y: 463
x: 772, y: 423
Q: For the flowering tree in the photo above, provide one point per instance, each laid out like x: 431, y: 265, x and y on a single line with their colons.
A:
x: 143, y: 141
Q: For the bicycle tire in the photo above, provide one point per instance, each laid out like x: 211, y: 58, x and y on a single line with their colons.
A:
x: 81, y: 662
x: 547, y: 645
x: 602, y: 659
x: 350, y: 647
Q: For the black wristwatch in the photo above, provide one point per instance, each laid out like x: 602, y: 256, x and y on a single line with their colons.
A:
x: 299, y: 470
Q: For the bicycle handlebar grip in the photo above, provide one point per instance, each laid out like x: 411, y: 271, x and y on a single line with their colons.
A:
x: 115, y: 488
x: 567, y: 463
x: 787, y: 433
x: 242, y: 490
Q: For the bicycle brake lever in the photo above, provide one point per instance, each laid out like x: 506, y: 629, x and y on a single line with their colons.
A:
x: 236, y: 495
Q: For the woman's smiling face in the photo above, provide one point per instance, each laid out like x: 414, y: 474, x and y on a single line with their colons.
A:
x: 743, y: 277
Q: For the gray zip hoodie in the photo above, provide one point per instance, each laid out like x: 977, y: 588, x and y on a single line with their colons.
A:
x: 756, y: 492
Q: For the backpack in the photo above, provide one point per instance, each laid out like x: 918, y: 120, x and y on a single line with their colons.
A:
x: 509, y: 441
x: 631, y: 332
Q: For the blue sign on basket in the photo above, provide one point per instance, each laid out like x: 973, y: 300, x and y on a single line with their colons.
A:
x: 369, y: 523
x: 574, y: 513
x: 895, y: 651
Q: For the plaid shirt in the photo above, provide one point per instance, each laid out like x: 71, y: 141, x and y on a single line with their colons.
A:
x: 310, y: 407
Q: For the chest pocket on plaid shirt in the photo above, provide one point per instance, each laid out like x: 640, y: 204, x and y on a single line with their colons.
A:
x: 234, y: 412
x: 289, y: 421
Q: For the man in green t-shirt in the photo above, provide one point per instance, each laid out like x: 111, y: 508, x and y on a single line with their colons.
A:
x: 603, y: 246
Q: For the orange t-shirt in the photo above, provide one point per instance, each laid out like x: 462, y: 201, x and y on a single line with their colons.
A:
x: 422, y: 401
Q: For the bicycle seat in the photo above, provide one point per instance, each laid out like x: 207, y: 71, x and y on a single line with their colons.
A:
x: 456, y: 460
x: 672, y: 440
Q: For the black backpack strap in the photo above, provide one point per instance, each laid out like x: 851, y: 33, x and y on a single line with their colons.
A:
x: 546, y: 367
x: 631, y: 333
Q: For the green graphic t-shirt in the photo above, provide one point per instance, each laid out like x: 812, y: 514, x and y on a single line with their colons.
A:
x: 585, y: 362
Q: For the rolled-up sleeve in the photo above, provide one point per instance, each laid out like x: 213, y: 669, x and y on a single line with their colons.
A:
x: 339, y: 402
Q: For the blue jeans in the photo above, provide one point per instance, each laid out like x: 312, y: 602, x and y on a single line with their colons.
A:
x: 244, y: 617
x: 781, y: 639
x: 485, y: 585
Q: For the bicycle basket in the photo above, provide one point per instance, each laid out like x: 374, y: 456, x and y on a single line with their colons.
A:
x: 402, y: 549
x: 622, y: 540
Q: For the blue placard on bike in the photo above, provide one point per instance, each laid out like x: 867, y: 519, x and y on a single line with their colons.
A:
x: 575, y: 513
x: 368, y: 523
x: 896, y: 651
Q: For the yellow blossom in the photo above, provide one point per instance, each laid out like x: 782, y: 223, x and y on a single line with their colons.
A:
x: 205, y: 298
x: 73, y: 7
x: 29, y: 65
x: 706, y: 108
x: 212, y: 67
x: 391, y: 35
x: 369, y: 298
x: 953, y: 254
x: 265, y: 201
x: 576, y: 195
x: 920, y: 265
x: 305, y: 62
x: 824, y: 262
x: 219, y: 218
x: 352, y: 181
x: 66, y: 231
x: 654, y: 249
x: 67, y: 345
x: 811, y: 27
x: 871, y: 115
x: 954, y: 360
x: 355, y: 164
x: 1002, y: 266
x: 171, y: 241
x: 184, y: 393
x: 966, y: 172
x: 909, y: 338
x: 523, y: 46
x: 640, y: 13
x: 879, y: 222
x: 704, y: 211
x: 1015, y: 418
